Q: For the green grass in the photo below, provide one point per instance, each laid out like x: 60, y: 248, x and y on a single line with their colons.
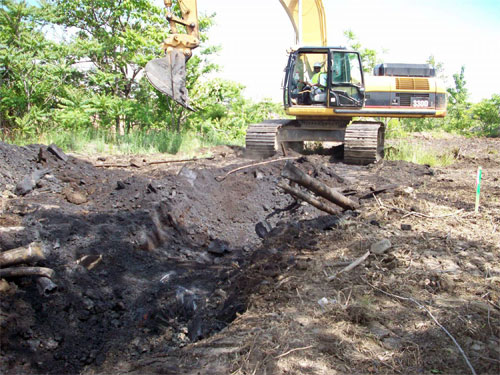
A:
x: 415, y: 153
x: 136, y: 142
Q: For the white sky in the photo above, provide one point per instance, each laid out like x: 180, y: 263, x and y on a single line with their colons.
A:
x: 254, y: 36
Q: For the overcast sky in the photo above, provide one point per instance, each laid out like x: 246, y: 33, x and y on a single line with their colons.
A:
x: 255, y: 35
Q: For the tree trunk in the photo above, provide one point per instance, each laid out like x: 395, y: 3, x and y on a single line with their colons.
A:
x: 26, y: 271
x: 24, y: 254
x: 296, y: 175
x: 306, y: 197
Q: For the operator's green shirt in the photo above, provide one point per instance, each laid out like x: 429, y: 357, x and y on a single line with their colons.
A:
x: 320, y: 78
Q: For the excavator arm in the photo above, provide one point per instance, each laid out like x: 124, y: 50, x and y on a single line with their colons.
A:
x: 168, y: 74
x: 308, y: 20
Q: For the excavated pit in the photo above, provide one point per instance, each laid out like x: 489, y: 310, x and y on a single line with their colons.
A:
x: 150, y: 258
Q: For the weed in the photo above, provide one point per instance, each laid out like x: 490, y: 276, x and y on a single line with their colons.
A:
x: 417, y: 154
x: 136, y: 142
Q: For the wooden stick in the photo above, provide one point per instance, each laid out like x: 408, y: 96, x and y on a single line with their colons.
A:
x: 180, y: 160
x: 296, y: 175
x: 432, y: 317
x: 306, y: 197
x: 30, y: 253
x: 155, y: 162
x: 113, y: 165
x: 293, y: 350
x: 26, y: 271
x: 354, y: 264
x: 221, y: 178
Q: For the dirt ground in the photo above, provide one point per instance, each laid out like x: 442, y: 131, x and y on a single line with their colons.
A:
x: 170, y: 268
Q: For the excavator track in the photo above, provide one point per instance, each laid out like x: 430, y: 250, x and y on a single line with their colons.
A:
x: 364, y: 142
x: 262, y: 139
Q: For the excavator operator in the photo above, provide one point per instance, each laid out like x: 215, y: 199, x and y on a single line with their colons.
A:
x: 315, y: 87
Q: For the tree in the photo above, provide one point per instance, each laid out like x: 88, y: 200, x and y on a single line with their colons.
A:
x: 117, y: 38
x: 459, y: 94
x: 33, y: 69
x: 438, y: 66
x: 459, y: 116
x: 369, y: 56
x: 487, y: 114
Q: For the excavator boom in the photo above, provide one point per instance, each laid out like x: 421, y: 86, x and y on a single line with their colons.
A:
x: 168, y: 74
x: 308, y: 20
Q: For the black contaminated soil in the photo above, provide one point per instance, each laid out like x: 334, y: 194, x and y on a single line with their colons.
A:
x: 147, y: 259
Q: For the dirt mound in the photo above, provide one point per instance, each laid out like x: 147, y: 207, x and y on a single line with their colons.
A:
x: 154, y: 262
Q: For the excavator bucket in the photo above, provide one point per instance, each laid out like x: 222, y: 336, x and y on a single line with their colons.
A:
x: 168, y: 75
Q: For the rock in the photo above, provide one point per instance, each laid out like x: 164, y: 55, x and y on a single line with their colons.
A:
x: 120, y: 185
x: 324, y: 302
x: 29, y: 182
x: 405, y: 227
x: 477, y: 346
x: 217, y: 247
x: 380, y: 247
x: 188, y: 174
x: 407, y: 191
x: 6, y: 287
x: 75, y: 197
x: 42, y: 157
x: 221, y: 293
x: 151, y: 189
x: 57, y: 152
x: 137, y: 163
x: 262, y: 228
x: 258, y: 175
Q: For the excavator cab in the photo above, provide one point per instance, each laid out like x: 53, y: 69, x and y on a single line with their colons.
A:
x: 339, y: 81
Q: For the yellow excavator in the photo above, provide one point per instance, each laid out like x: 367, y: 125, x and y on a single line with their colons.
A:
x: 325, y: 88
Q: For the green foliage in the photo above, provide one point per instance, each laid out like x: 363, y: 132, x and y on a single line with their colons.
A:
x: 369, y: 56
x: 226, y: 113
x: 487, y: 115
x: 33, y: 69
x: 414, y: 153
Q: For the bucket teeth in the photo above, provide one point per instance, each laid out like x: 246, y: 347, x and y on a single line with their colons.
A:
x: 168, y: 75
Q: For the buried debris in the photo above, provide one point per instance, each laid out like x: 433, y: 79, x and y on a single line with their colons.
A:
x: 377, y: 248
x: 57, y: 152
x: 294, y: 174
x: 30, y: 253
x: 23, y: 255
x: 26, y: 271
x: 307, y: 198
x: 46, y: 286
x: 29, y: 182
x: 221, y: 178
